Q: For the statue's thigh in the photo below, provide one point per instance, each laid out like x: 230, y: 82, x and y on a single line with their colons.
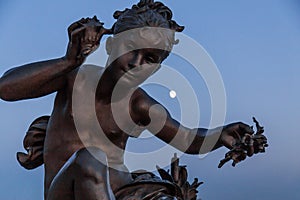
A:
x: 85, y: 175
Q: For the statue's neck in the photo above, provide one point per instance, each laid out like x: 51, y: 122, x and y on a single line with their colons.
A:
x: 107, y: 91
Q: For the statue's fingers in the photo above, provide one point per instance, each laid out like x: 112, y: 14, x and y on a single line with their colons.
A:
x: 75, y: 25
x: 90, y: 38
x: 235, y: 161
x: 98, y: 23
x: 248, y: 142
x: 242, y: 156
x: 223, y: 161
x: 71, y: 28
x: 82, y: 22
x: 88, y: 49
x: 250, y: 150
x: 94, y: 47
x: 76, y: 34
x: 96, y: 39
x: 238, y: 158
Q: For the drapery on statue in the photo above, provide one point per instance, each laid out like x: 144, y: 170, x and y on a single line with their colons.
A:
x: 79, y: 164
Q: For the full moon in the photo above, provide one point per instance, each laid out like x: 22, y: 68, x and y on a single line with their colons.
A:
x: 172, y: 94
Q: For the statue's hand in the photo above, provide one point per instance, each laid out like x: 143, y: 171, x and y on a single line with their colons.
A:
x: 232, y: 134
x: 242, y: 141
x: 84, y: 38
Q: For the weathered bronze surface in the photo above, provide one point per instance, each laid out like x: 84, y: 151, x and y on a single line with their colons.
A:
x: 85, y: 167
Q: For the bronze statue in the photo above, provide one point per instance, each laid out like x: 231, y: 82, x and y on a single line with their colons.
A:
x: 91, y: 169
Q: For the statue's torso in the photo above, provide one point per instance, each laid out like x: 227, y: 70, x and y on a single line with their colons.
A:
x: 75, y: 124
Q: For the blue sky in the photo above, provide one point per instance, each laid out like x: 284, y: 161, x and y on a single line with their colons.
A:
x: 256, y: 46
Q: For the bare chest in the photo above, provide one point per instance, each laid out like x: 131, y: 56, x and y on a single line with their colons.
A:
x: 116, y: 121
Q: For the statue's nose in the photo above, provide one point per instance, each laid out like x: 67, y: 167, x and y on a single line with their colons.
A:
x: 137, y: 60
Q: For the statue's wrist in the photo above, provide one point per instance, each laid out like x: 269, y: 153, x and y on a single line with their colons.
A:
x: 71, y: 62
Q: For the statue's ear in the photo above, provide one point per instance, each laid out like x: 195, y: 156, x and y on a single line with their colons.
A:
x: 109, y: 44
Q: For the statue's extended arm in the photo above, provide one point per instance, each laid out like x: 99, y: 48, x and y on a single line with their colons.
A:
x: 42, y: 78
x: 157, y: 120
x: 198, y: 140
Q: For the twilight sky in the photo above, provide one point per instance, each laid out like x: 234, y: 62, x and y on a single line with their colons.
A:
x: 256, y: 48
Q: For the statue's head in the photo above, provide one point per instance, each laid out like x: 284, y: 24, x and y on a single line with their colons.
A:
x: 143, y: 37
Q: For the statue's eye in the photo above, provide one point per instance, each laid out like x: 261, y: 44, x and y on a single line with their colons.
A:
x: 151, y: 59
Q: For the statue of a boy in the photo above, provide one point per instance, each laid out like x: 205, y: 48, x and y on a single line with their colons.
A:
x: 83, y: 166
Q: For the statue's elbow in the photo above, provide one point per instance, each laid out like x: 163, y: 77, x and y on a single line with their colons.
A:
x: 5, y: 92
x: 4, y: 96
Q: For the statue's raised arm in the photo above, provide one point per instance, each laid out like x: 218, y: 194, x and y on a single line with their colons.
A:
x: 42, y: 78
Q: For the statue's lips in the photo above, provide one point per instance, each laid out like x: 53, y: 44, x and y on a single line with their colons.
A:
x: 128, y: 74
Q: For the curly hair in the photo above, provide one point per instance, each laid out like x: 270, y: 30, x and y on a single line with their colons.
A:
x: 145, y: 13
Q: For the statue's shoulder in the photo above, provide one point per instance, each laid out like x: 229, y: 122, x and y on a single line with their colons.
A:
x: 140, y: 104
x: 140, y: 95
x: 141, y: 99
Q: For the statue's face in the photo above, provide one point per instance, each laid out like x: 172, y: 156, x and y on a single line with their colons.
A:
x: 136, y: 55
